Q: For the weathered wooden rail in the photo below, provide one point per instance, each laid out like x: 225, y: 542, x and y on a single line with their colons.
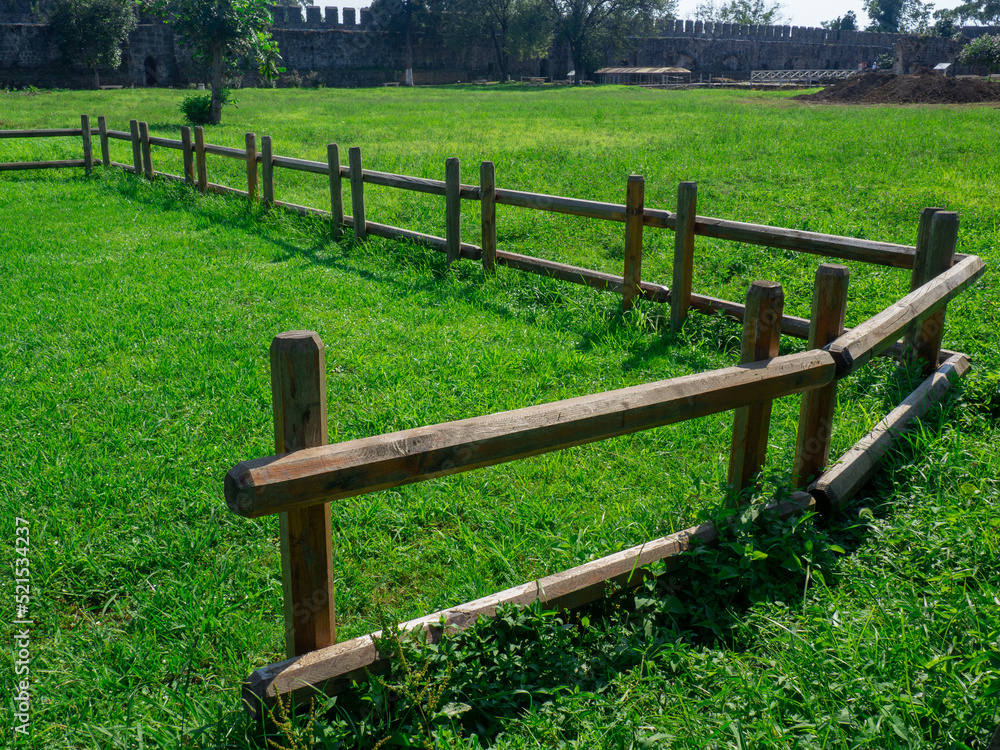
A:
x: 306, y: 474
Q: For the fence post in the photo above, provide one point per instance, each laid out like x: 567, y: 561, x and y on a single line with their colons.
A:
x: 147, y: 154
x: 298, y: 392
x: 829, y: 307
x: 267, y: 170
x: 188, y: 154
x: 251, y: 143
x: 680, y: 291
x: 133, y: 126
x: 922, y: 343
x: 488, y: 213
x: 102, y: 128
x: 199, y: 155
x: 632, y: 276
x: 761, y: 329
x: 453, y: 209
x: 336, y: 191
x: 88, y: 147
x: 357, y: 193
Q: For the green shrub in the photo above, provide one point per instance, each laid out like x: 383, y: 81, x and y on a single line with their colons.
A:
x: 197, y: 108
x: 983, y: 51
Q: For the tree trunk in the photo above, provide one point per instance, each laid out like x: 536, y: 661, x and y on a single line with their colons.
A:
x: 97, y: 79
x: 409, y: 44
x: 216, y: 110
x: 577, y: 52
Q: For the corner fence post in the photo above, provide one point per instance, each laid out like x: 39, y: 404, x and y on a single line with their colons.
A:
x: 680, y: 290
x: 829, y: 309
x: 935, y: 254
x: 632, y: 275
x: 453, y: 209
x: 88, y: 148
x: 102, y: 129
x: 133, y: 126
x: 147, y: 154
x: 298, y: 392
x: 199, y: 155
x: 357, y: 193
x: 267, y: 169
x: 761, y: 330
x: 336, y: 191
x: 251, y: 143
x: 188, y: 154
x: 488, y: 214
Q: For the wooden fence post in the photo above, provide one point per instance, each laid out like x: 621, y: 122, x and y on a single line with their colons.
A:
x: 829, y: 307
x: 336, y: 191
x: 251, y: 148
x: 488, y: 214
x: 133, y: 126
x: 453, y: 209
x: 147, y: 153
x: 632, y: 276
x: 199, y: 156
x: 680, y: 291
x: 357, y: 193
x: 298, y: 390
x: 761, y: 329
x: 88, y: 146
x: 102, y: 128
x: 922, y: 343
x: 188, y: 153
x: 267, y: 170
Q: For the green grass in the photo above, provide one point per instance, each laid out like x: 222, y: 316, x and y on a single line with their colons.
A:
x: 137, y: 319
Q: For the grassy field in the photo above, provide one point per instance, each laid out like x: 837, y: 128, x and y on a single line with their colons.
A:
x: 134, y: 374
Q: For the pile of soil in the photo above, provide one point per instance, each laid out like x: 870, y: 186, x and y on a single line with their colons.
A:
x: 923, y: 88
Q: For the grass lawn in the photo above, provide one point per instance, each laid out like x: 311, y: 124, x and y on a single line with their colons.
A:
x: 133, y: 375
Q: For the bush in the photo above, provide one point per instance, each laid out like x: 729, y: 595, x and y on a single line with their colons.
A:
x: 197, y: 108
x: 983, y: 51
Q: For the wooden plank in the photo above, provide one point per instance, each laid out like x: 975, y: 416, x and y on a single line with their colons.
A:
x: 922, y: 341
x: 357, y: 193
x: 334, y: 668
x: 560, y: 205
x: 632, y: 275
x: 42, y: 133
x: 751, y: 423
x: 488, y: 216
x: 251, y: 160
x: 298, y: 397
x: 846, y: 477
x: 336, y: 191
x: 119, y: 135
x: 403, y: 182
x: 136, y: 147
x: 452, y: 208
x: 187, y: 154
x: 165, y: 142
x: 687, y: 213
x: 879, y: 333
x: 816, y: 412
x: 199, y: 157
x: 301, y: 165
x: 847, y: 248
x: 102, y: 129
x: 576, y: 275
x: 22, y: 165
x: 790, y: 324
x: 267, y: 169
x: 212, y: 187
x: 227, y: 151
x: 655, y: 217
x: 279, y: 483
x: 147, y: 154
x: 88, y: 146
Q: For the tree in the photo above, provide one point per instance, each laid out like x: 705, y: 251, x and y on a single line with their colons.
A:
x: 846, y: 22
x: 981, y: 12
x: 742, y: 12
x: 224, y: 33
x: 403, y: 19
x: 517, y: 29
x: 898, y: 16
x: 984, y: 50
x: 91, y: 32
x: 593, y: 27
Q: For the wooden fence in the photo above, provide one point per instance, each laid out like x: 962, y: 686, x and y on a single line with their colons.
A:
x: 306, y: 473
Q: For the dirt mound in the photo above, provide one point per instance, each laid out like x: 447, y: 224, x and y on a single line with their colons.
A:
x: 923, y: 88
